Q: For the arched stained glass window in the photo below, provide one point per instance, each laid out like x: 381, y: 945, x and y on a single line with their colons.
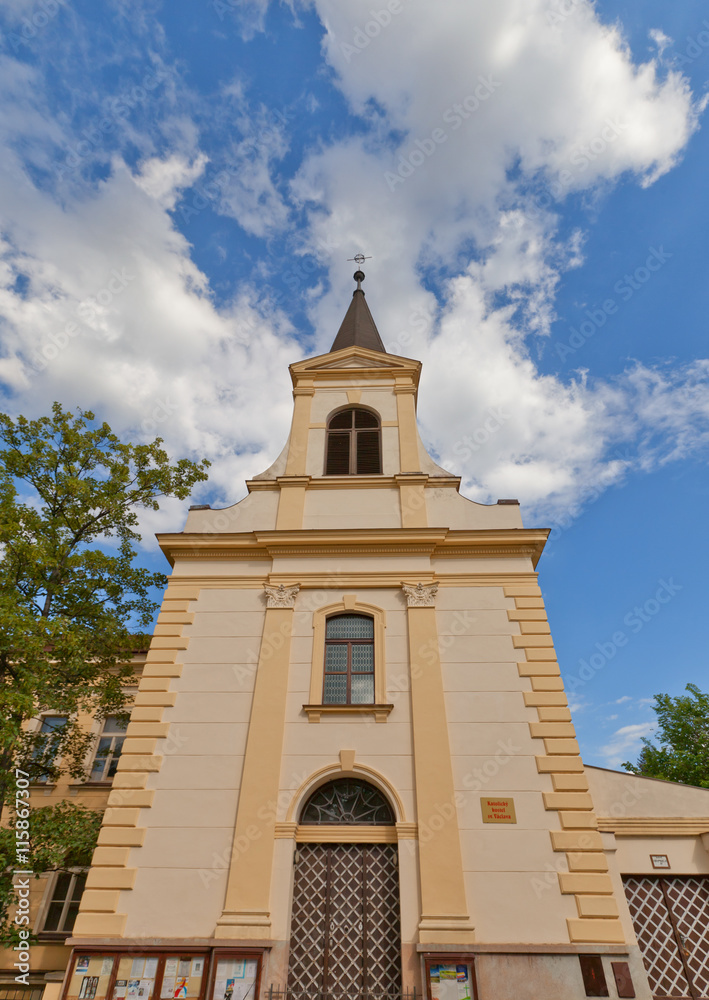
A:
x: 353, y: 444
x: 349, y: 660
x: 347, y: 802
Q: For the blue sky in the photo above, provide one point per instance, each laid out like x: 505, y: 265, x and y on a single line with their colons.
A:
x: 181, y: 185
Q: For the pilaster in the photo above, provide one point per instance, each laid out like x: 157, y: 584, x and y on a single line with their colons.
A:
x: 247, y: 904
x: 444, y: 912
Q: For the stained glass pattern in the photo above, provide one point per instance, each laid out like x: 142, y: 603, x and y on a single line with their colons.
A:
x: 350, y: 627
x: 349, y: 661
x: 347, y: 802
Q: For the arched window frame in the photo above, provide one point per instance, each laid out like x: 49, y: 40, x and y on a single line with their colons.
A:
x: 353, y: 440
x: 367, y: 788
x: 350, y: 673
x: 315, y: 708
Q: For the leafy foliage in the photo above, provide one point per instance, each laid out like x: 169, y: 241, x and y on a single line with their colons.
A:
x: 683, y: 753
x: 62, y: 837
x: 72, y: 603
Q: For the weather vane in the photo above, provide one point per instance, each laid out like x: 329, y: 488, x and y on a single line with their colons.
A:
x: 358, y: 276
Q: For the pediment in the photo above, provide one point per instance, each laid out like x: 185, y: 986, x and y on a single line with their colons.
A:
x: 355, y: 358
x: 355, y: 362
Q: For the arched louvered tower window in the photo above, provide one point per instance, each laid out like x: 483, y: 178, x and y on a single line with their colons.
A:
x: 354, y: 446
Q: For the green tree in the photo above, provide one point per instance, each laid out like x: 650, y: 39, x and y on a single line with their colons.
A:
x: 63, y: 838
x: 683, y: 733
x: 73, y: 606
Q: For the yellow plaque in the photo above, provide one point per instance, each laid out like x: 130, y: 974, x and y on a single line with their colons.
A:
x: 498, y: 810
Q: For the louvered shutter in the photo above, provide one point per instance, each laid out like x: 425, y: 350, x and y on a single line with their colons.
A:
x: 338, y: 454
x: 368, y: 457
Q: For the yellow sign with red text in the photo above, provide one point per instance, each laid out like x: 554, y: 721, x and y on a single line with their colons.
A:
x: 498, y: 810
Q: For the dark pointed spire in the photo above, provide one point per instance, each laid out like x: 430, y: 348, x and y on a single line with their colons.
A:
x: 358, y: 328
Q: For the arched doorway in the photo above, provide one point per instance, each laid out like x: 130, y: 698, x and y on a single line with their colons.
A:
x: 345, y: 924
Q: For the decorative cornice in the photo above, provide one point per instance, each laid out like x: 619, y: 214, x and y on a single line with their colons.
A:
x: 654, y: 826
x: 433, y: 542
x: 420, y: 595
x: 281, y: 596
x: 378, y: 482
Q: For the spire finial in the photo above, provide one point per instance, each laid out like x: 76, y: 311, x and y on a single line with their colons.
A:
x: 358, y: 276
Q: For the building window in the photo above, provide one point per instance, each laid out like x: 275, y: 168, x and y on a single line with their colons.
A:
x: 353, y: 444
x: 65, y: 895
x: 349, y: 660
x: 46, y: 752
x: 108, y: 750
x: 347, y: 802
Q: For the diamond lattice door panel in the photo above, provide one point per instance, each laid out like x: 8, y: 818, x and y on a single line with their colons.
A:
x: 671, y: 920
x: 345, y: 929
x: 689, y: 903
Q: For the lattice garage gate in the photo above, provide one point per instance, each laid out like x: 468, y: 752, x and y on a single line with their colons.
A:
x: 671, y: 920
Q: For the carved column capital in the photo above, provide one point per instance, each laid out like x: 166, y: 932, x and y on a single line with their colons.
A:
x: 422, y: 595
x: 280, y: 596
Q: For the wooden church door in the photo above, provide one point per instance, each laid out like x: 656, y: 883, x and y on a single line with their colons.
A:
x: 345, y: 927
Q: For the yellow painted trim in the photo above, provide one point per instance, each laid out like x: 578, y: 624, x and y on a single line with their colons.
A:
x: 379, y: 712
x: 591, y: 861
x: 540, y: 730
x: 670, y: 826
x: 100, y: 925
x: 573, y: 820
x: 567, y: 800
x: 576, y: 840
x: 546, y: 683
x: 569, y: 782
x: 595, y: 931
x: 121, y: 836
x: 562, y: 746
x: 440, y: 860
x: 589, y: 882
x: 346, y: 835
x: 546, y: 765
x: 298, y: 440
x: 537, y: 699
x: 412, y: 500
x: 320, y: 616
x: 596, y: 906
x: 291, y: 506
x: 111, y: 878
x: 110, y: 857
x: 247, y: 903
x: 529, y: 641
x: 553, y: 714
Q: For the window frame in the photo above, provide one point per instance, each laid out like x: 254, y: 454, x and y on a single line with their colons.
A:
x: 353, y: 432
x: 108, y: 758
x: 47, y: 779
x: 48, y: 898
x: 316, y: 707
x: 348, y: 672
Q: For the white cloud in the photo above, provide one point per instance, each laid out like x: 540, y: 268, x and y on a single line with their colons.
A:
x: 626, y: 742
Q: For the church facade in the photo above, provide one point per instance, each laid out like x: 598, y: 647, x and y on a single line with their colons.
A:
x: 351, y: 767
